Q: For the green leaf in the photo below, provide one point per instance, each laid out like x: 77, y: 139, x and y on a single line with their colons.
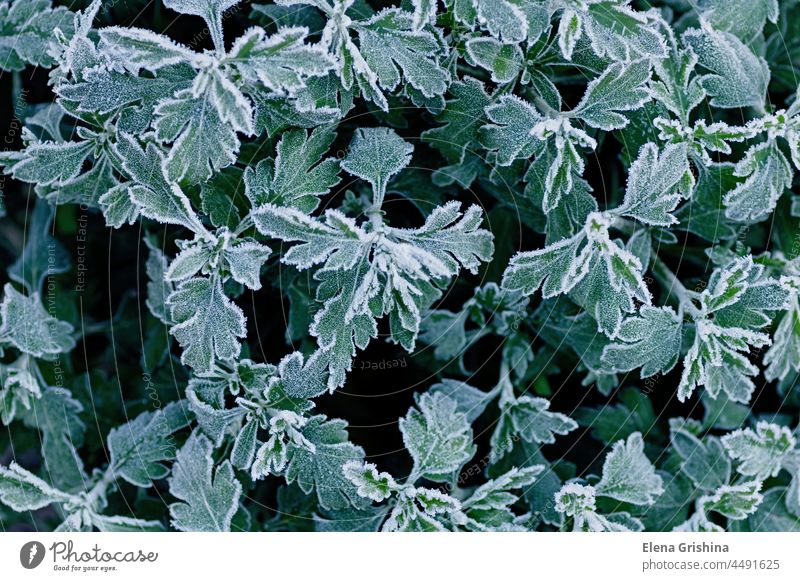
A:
x: 377, y: 486
x: 628, y: 475
x: 299, y: 175
x: 651, y: 341
x: 322, y: 469
x: 154, y: 195
x: 27, y: 326
x: 621, y: 87
x: 26, y: 31
x: 462, y: 117
x: 734, y: 502
x: 57, y: 416
x: 620, y: 33
x: 503, y: 61
x: 737, y: 77
x: 43, y: 256
x: 768, y: 174
x: 437, y: 436
x: 51, y: 163
x: 139, y: 447
x: 529, y: 418
x: 200, y: 140
x: 207, y: 324
x: 209, y: 497
x: 22, y: 491
x: 761, y: 452
x: 375, y: 155
x: 392, y: 53
x: 656, y: 183
x: 282, y: 63
x: 513, y: 120
x: 703, y: 461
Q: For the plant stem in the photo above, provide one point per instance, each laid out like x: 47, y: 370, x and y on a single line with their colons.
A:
x: 671, y: 282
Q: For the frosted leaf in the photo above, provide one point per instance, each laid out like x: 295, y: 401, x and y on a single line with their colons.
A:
x: 102, y: 90
x: 741, y: 298
x: 56, y: 414
x: 656, y: 183
x: 118, y: 206
x: 304, y: 377
x: 605, y: 278
x: 244, y: 448
x: 207, y: 324
x: 761, y: 452
x: 42, y: 255
x: 22, y: 491
x: 209, y: 10
x: 376, y: 155
x: 244, y: 259
x: 26, y: 31
x: 377, y: 486
x: 51, y: 163
x: 570, y: 30
x: 282, y: 63
x: 716, y: 362
x: 504, y: 20
x: 232, y: 107
x: 621, y: 87
x: 201, y: 142
x: 27, y: 326
x: 139, y: 447
x: 158, y: 289
x: 469, y: 400
x: 628, y: 475
x: 651, y: 341
x: 565, y: 169
x: 437, y: 436
x: 210, y: 497
x: 729, y: 15
x: 509, y: 21
x: 424, y: 13
x: 676, y: 86
x: 338, y: 242
x: 768, y: 174
x: 704, y: 461
x: 18, y: 388
x: 737, y: 77
x: 155, y: 196
x: 578, y: 502
x: 784, y: 354
x: 421, y: 510
x: 734, y: 502
x: 206, y: 399
x: 299, y: 175
x: 510, y: 135
x: 194, y: 255
x: 135, y: 49
x: 488, y: 508
x: 550, y: 268
x: 451, y: 237
x: 462, y: 117
x: 503, y: 61
x: 391, y: 52
x: 620, y: 33
x: 322, y: 469
x: 574, y: 498
x: 528, y: 418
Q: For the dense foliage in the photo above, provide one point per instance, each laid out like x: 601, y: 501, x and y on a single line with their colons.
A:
x: 456, y: 265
